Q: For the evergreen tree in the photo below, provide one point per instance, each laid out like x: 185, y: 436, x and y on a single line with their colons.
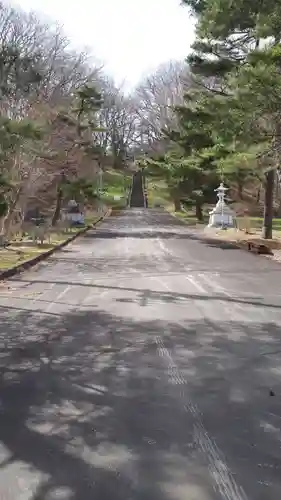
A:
x: 190, y: 168
x: 243, y: 76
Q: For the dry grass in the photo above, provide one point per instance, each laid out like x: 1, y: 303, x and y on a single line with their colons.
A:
x: 10, y: 258
x: 238, y: 236
x: 22, y: 249
x: 19, y: 252
x: 158, y: 193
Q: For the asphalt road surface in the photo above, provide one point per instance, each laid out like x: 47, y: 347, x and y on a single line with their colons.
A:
x: 142, y: 362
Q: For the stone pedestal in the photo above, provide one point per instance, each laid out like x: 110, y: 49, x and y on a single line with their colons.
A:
x: 74, y: 214
x: 221, y: 216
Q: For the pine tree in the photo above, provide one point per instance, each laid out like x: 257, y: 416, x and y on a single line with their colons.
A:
x: 237, y: 58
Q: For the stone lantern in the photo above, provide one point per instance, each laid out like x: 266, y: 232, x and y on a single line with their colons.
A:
x: 74, y: 214
x: 221, y: 216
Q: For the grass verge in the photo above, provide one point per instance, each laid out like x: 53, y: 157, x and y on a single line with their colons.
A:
x: 157, y: 193
x: 24, y: 253
x: 116, y: 186
x: 19, y: 252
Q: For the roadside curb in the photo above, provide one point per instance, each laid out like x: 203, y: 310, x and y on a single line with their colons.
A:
x: 245, y: 245
x: 251, y: 246
x: 8, y: 273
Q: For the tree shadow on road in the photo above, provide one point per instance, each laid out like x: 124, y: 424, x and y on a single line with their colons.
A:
x: 143, y: 233
x: 85, y: 403
x: 147, y: 295
x: 88, y: 400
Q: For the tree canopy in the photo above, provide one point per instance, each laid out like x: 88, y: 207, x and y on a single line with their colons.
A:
x: 215, y: 115
x: 228, y: 123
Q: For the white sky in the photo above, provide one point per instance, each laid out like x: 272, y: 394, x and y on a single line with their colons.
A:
x: 132, y: 37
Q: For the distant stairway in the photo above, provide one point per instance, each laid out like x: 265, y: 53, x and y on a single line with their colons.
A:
x: 138, y: 198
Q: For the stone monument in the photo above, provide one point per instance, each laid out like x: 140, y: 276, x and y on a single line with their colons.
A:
x: 221, y: 216
x: 74, y: 214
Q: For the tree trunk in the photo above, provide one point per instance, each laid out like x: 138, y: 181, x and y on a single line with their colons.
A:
x: 240, y: 187
x: 258, y: 194
x: 177, y: 203
x: 279, y: 208
x: 175, y: 195
x: 268, y: 205
x: 276, y: 195
x: 2, y: 231
x: 57, y: 212
x: 199, y: 212
x: 8, y: 219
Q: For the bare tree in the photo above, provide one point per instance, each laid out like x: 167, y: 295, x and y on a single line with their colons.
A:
x: 118, y: 119
x: 32, y: 169
x: 156, y: 98
x: 62, y: 71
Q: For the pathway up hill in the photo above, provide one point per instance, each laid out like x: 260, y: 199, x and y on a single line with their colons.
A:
x: 137, y: 195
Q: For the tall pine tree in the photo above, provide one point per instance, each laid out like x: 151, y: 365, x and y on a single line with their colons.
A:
x: 237, y: 58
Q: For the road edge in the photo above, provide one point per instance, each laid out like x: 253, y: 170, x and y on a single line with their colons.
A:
x: 8, y: 273
x: 247, y: 245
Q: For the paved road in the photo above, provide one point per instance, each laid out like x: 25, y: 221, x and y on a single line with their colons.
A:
x: 137, y: 364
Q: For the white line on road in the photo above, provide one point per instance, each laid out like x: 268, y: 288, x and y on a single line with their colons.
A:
x: 26, y: 294
x: 53, y: 302
x: 95, y: 296
x: 15, y: 314
x: 163, y: 246
x: 58, y: 297
x: 219, y: 470
x: 197, y: 285
x: 215, y: 285
x: 237, y: 308
x: 189, y: 278
x: 49, y: 307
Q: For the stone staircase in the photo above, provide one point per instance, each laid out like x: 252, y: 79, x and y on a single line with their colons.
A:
x: 138, y: 198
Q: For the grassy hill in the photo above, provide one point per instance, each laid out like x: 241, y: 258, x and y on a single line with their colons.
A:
x: 116, y: 186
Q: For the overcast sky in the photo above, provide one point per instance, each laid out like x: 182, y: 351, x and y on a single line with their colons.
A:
x: 130, y: 36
